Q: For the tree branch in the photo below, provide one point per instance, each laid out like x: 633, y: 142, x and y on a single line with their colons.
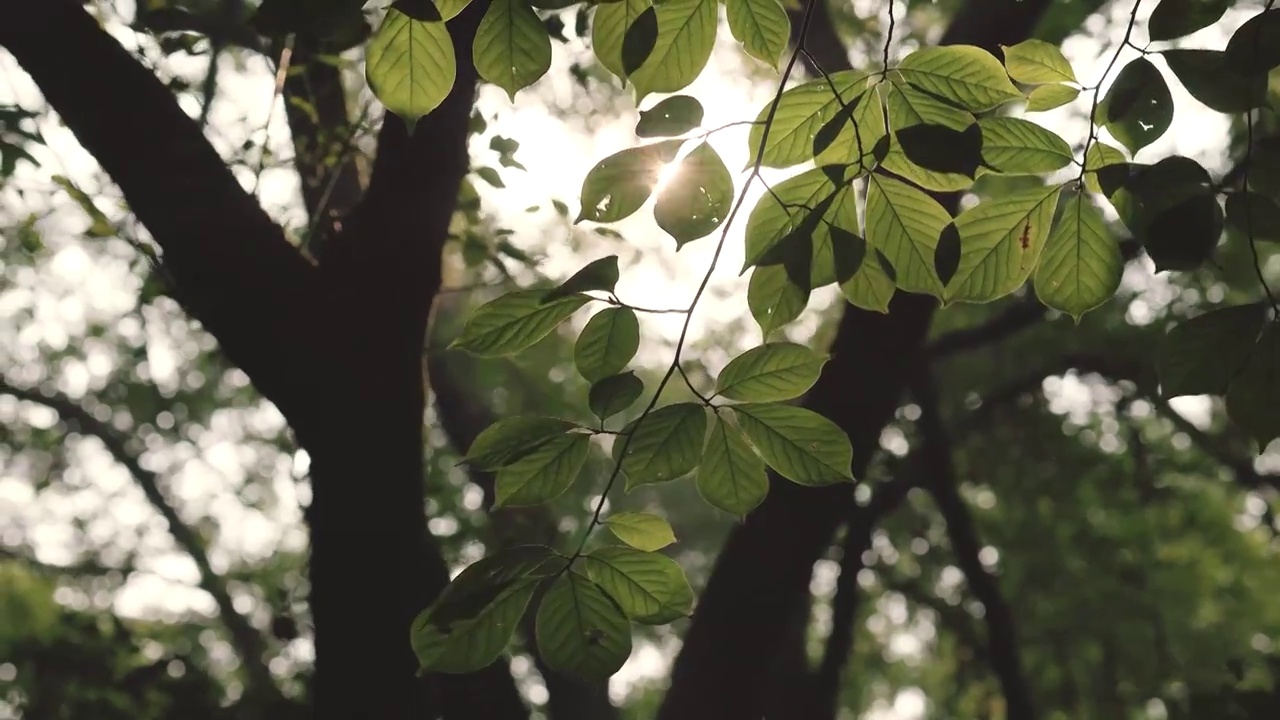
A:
x: 765, y: 567
x: 247, y: 641
x: 940, y: 480
x: 234, y: 269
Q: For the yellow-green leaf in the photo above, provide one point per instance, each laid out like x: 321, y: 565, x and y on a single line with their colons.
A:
x: 543, y: 474
x: 512, y: 48
x: 771, y: 372
x: 697, y: 199
x: 1017, y: 146
x: 686, y: 34
x: 1036, y: 61
x: 1000, y: 242
x: 801, y: 445
x: 967, y: 75
x: 1048, y: 97
x: 410, y: 65
x: 621, y: 183
x: 609, y: 27
x: 662, y: 445
x: 802, y: 112
x: 648, y: 587
x: 641, y: 530
x: 774, y: 298
x: 762, y: 26
x: 904, y: 223
x: 514, y: 322
x: 580, y: 630
x: 1082, y: 265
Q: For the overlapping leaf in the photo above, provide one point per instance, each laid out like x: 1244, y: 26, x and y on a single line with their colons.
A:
x: 1017, y: 146
x: 731, y: 475
x: 967, y: 75
x: 1137, y: 108
x: 663, y: 445
x: 611, y: 395
x: 607, y: 343
x: 545, y: 473
x: 618, y: 185
x: 1001, y: 240
x: 775, y: 298
x: 697, y: 199
x: 1202, y: 356
x: 904, y: 223
x: 642, y: 531
x: 771, y: 372
x: 648, y: 587
x: 609, y: 27
x: 580, y: 630
x: 801, y: 445
x: 510, y: 439
x: 801, y: 113
x: 514, y: 322
x: 686, y: 34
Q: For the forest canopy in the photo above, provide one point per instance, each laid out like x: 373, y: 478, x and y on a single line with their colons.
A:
x: 678, y: 359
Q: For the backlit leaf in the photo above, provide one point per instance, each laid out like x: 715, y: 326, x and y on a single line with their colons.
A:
x: 475, y: 643
x: 449, y: 9
x: 580, y: 630
x: 510, y: 439
x: 970, y: 76
x: 512, y: 49
x: 599, y: 274
x: 770, y: 372
x: 621, y: 183
x: 810, y: 203
x: 904, y: 223
x: 1081, y: 266
x: 762, y: 26
x: 686, y: 34
x: 611, y: 395
x: 1137, y: 108
x: 697, y: 199
x: 481, y: 582
x: 543, y: 474
x: 1000, y: 243
x: 648, y: 587
x: 609, y: 27
x: 663, y: 445
x: 1202, y: 355
x: 870, y: 288
x: 1036, y: 61
x: 1100, y: 155
x: 802, y: 112
x: 673, y: 116
x: 801, y: 445
x: 774, y: 298
x: 639, y: 40
x: 642, y: 531
x: 1048, y: 97
x: 514, y: 322
x: 607, y: 343
x: 1017, y: 146
x: 731, y: 475
x: 908, y: 107
x: 410, y: 65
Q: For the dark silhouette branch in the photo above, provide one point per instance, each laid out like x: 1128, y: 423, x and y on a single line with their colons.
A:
x: 235, y: 271
x: 250, y: 645
x: 765, y: 566
x: 942, y: 484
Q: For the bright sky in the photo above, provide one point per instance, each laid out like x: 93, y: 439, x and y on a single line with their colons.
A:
x: 80, y: 284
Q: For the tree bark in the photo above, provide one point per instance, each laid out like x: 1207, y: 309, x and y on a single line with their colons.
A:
x: 763, y: 571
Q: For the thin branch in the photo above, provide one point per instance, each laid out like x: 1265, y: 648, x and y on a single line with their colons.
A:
x: 942, y: 484
x: 234, y: 269
x: 248, y: 642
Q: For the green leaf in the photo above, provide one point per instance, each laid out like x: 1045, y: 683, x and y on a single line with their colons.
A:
x: 673, y: 116
x: 774, y: 298
x: 803, y: 111
x: 648, y: 587
x: 449, y: 9
x: 477, y: 586
x: 1172, y: 210
x: 510, y: 439
x: 514, y: 322
x: 1016, y: 146
x: 799, y: 444
x: 639, y: 40
x: 662, y: 445
x: 618, y: 185
x: 686, y: 34
x: 410, y: 65
x: 967, y: 75
x: 1255, y: 215
x: 1048, y: 97
x: 1202, y: 355
x: 490, y: 176
x: 611, y: 395
x: 1206, y: 75
x: 810, y: 203
x: 1100, y: 155
x: 1036, y: 61
x: 1255, y: 391
x: 599, y: 274
x: 471, y: 644
x: 1082, y: 265
x: 512, y: 49
x: 697, y: 199
x: 904, y: 224
x: 607, y: 343
x: 543, y: 474
x: 908, y: 107
x: 608, y: 29
x: 762, y: 26
x: 1255, y: 48
x: 1138, y: 108
x: 731, y: 475
x: 771, y: 372
x: 1176, y: 18
x: 1001, y: 241
x: 640, y: 530
x: 871, y: 287
x: 580, y: 630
